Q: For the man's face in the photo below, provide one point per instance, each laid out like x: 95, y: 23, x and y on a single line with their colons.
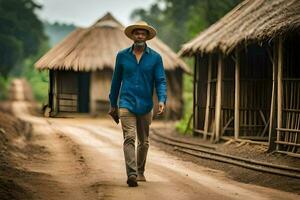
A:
x: 140, y: 35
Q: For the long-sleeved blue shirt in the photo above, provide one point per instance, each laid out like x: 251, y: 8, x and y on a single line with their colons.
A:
x: 133, y: 82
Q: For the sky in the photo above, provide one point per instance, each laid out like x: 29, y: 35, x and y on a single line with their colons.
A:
x: 85, y: 12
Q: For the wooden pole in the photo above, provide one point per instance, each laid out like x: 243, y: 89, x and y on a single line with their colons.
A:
x: 50, y: 90
x: 55, y: 93
x: 206, y: 122
x: 194, y: 96
x: 219, y: 98
x: 272, y: 135
x: 279, y: 91
x: 237, y: 96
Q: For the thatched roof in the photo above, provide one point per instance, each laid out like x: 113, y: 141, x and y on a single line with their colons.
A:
x: 251, y: 20
x: 95, y: 48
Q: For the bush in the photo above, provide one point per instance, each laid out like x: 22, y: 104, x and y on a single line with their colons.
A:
x: 38, y: 80
x: 39, y: 85
x: 4, y: 84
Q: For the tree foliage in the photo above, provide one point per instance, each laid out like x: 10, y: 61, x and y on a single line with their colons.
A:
x: 21, y: 33
x: 178, y: 21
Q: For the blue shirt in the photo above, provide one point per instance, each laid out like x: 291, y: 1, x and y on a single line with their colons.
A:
x: 134, y: 82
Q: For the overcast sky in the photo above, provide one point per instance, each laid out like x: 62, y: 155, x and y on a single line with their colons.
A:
x: 85, y: 12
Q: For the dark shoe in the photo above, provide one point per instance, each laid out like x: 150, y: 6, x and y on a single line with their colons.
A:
x: 141, y: 177
x: 131, y: 181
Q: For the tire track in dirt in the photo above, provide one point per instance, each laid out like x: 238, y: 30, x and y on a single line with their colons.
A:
x: 65, y: 166
x: 168, y: 183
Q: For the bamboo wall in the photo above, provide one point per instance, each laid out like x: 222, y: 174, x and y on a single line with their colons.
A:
x: 253, y: 94
x: 200, y: 85
x: 205, y: 78
x: 211, y: 84
x: 62, y: 96
x: 288, y: 138
x: 227, y: 108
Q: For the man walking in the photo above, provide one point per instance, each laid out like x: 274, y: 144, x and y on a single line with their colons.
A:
x: 138, y: 70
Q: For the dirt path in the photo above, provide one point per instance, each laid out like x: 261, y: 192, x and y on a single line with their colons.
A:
x: 85, y: 161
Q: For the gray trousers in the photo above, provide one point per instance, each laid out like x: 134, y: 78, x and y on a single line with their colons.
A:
x: 135, y: 125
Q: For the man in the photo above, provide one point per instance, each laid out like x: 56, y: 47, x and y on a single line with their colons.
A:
x: 138, y: 70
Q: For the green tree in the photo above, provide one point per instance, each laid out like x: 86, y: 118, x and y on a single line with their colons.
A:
x: 21, y: 33
x: 178, y: 21
x: 11, y: 50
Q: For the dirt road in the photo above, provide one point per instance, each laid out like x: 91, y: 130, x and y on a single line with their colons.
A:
x: 85, y: 161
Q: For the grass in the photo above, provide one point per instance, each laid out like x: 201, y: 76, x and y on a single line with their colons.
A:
x: 4, y: 86
x: 183, y: 125
x: 39, y: 85
x: 39, y: 81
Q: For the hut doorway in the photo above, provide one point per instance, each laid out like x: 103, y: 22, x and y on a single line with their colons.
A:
x: 83, y: 92
x: 72, y: 91
x: 199, y: 94
x: 255, y: 92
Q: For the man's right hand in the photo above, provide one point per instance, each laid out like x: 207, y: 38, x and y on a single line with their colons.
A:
x: 112, y: 109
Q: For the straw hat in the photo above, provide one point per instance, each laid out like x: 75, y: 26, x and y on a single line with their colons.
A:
x: 140, y: 25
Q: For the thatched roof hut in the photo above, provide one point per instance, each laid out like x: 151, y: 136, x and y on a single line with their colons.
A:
x: 246, y: 64
x: 250, y: 21
x: 93, y: 50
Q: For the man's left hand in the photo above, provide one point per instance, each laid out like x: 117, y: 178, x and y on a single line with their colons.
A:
x: 161, y: 108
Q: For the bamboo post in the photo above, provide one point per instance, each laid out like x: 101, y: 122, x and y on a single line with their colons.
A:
x: 206, y: 122
x: 279, y: 91
x: 55, y: 93
x: 237, y: 96
x: 194, y: 96
x: 50, y: 90
x: 93, y: 99
x: 49, y: 107
x: 219, y: 98
x: 272, y: 136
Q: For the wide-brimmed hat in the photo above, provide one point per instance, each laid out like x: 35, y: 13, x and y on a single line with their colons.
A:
x: 140, y: 25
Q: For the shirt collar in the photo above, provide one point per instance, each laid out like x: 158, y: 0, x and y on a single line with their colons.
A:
x: 147, y: 49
